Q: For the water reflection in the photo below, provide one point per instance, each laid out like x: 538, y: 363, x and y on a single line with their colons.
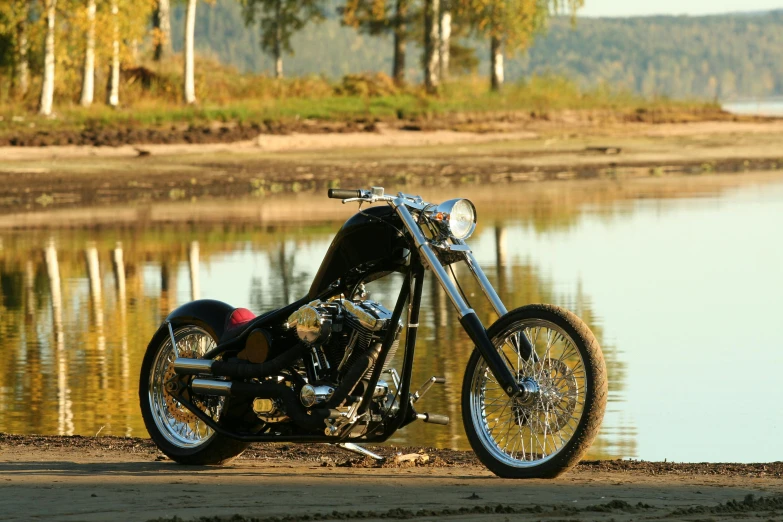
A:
x: 78, y: 307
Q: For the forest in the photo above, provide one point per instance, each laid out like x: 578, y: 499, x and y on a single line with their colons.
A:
x: 725, y: 56
x: 71, y: 52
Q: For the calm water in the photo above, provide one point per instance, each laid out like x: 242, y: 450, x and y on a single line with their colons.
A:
x: 683, y: 293
x: 764, y: 107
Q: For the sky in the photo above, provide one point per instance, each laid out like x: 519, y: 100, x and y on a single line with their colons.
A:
x: 674, y: 7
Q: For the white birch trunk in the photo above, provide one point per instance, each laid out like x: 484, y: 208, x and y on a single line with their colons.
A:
x: 190, y: 34
x: 445, y: 40
x: 163, y: 26
x: 23, y: 66
x: 497, y: 72
x: 47, y: 86
x: 278, y: 50
x: 88, y: 81
x: 431, y: 45
x: 279, y: 67
x: 113, y: 92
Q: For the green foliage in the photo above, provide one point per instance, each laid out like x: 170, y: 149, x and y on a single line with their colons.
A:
x: 663, y: 56
x: 720, y: 57
x: 279, y: 20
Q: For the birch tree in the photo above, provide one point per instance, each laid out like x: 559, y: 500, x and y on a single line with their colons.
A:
x: 445, y: 39
x: 47, y: 84
x: 510, y: 25
x: 161, y: 22
x: 190, y: 36
x: 431, y: 45
x: 113, y: 87
x: 88, y: 79
x: 382, y: 17
x: 279, y: 20
x: 22, y: 73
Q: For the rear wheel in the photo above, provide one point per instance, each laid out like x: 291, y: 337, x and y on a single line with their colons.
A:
x: 548, y: 430
x: 180, y: 434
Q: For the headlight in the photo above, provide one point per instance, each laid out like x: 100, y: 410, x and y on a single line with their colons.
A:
x: 458, y: 216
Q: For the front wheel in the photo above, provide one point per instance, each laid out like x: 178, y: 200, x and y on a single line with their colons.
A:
x: 548, y: 430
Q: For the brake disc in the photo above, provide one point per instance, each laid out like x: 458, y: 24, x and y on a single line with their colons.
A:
x: 177, y: 411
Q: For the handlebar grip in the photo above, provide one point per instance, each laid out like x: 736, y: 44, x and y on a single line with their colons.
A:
x: 344, y: 193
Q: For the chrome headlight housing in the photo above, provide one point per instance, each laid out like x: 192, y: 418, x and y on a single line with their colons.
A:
x: 457, y: 217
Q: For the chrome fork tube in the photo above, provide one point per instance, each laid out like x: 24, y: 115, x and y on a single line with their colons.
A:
x: 431, y: 259
x: 467, y: 317
x: 485, y: 285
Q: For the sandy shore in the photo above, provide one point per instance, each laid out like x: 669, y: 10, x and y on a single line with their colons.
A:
x: 110, y: 478
x: 273, y: 168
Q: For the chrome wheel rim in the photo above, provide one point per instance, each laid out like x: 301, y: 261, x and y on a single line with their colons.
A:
x: 526, y: 432
x: 176, y: 423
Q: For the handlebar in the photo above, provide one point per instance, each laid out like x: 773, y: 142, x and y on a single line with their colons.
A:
x: 344, y: 193
x: 374, y: 195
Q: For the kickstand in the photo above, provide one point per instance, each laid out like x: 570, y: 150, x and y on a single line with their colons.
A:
x: 355, y: 448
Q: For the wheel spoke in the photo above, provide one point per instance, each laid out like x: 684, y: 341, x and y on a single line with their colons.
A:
x: 528, y: 430
x: 175, y: 422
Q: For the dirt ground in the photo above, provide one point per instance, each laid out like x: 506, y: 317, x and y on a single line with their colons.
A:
x: 107, y: 478
x: 263, y: 170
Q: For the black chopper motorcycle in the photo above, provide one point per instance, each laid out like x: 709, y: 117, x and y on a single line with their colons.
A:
x: 215, y: 378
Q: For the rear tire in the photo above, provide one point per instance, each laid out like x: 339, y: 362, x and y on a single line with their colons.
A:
x: 179, y: 434
x: 548, y: 433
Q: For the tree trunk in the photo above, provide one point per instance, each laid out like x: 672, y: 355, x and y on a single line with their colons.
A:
x: 88, y: 79
x: 445, y: 39
x: 47, y: 86
x: 190, y: 35
x: 400, y: 37
x: 431, y: 45
x: 22, y: 64
x: 162, y: 24
x: 496, y: 72
x: 113, y: 91
x: 278, y: 49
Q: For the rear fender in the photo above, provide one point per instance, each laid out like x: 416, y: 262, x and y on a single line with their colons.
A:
x: 210, y: 314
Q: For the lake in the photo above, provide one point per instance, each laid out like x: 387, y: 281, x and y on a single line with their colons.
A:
x: 681, y: 281
x: 763, y: 107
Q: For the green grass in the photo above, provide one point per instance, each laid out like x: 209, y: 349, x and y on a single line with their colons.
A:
x: 226, y: 96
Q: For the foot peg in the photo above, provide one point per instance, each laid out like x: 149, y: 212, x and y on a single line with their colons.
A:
x: 443, y: 420
x: 426, y: 387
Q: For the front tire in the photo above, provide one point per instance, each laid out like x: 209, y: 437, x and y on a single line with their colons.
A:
x: 546, y: 433
x: 175, y: 430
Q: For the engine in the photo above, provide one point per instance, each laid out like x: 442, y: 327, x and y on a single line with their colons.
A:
x: 340, y: 331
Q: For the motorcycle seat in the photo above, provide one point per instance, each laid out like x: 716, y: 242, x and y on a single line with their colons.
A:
x: 234, y: 323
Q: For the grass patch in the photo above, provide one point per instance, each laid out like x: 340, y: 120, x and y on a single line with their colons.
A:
x: 150, y: 97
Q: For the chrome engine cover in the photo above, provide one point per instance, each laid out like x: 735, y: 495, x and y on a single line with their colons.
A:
x: 313, y: 323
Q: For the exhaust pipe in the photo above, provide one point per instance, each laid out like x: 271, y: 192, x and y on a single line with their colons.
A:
x: 210, y: 387
x: 239, y: 369
x: 308, y: 418
x: 193, y: 366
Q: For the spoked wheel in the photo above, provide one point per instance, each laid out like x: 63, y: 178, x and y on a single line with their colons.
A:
x: 179, y: 433
x: 549, y: 428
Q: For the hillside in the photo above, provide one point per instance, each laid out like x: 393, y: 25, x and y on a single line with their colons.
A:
x: 725, y: 56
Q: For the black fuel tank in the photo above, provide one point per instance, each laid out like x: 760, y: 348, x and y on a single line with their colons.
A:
x: 369, y: 243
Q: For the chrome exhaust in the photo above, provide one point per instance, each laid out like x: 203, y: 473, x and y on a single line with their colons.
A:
x: 210, y: 387
x: 184, y: 366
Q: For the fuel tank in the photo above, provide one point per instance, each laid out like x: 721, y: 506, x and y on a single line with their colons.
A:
x: 369, y: 245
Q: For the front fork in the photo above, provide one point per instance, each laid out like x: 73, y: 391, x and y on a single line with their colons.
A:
x: 468, y: 318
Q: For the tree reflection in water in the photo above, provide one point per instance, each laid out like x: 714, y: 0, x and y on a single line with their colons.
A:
x: 76, y: 320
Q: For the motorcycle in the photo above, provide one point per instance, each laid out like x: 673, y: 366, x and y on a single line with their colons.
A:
x: 215, y: 378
